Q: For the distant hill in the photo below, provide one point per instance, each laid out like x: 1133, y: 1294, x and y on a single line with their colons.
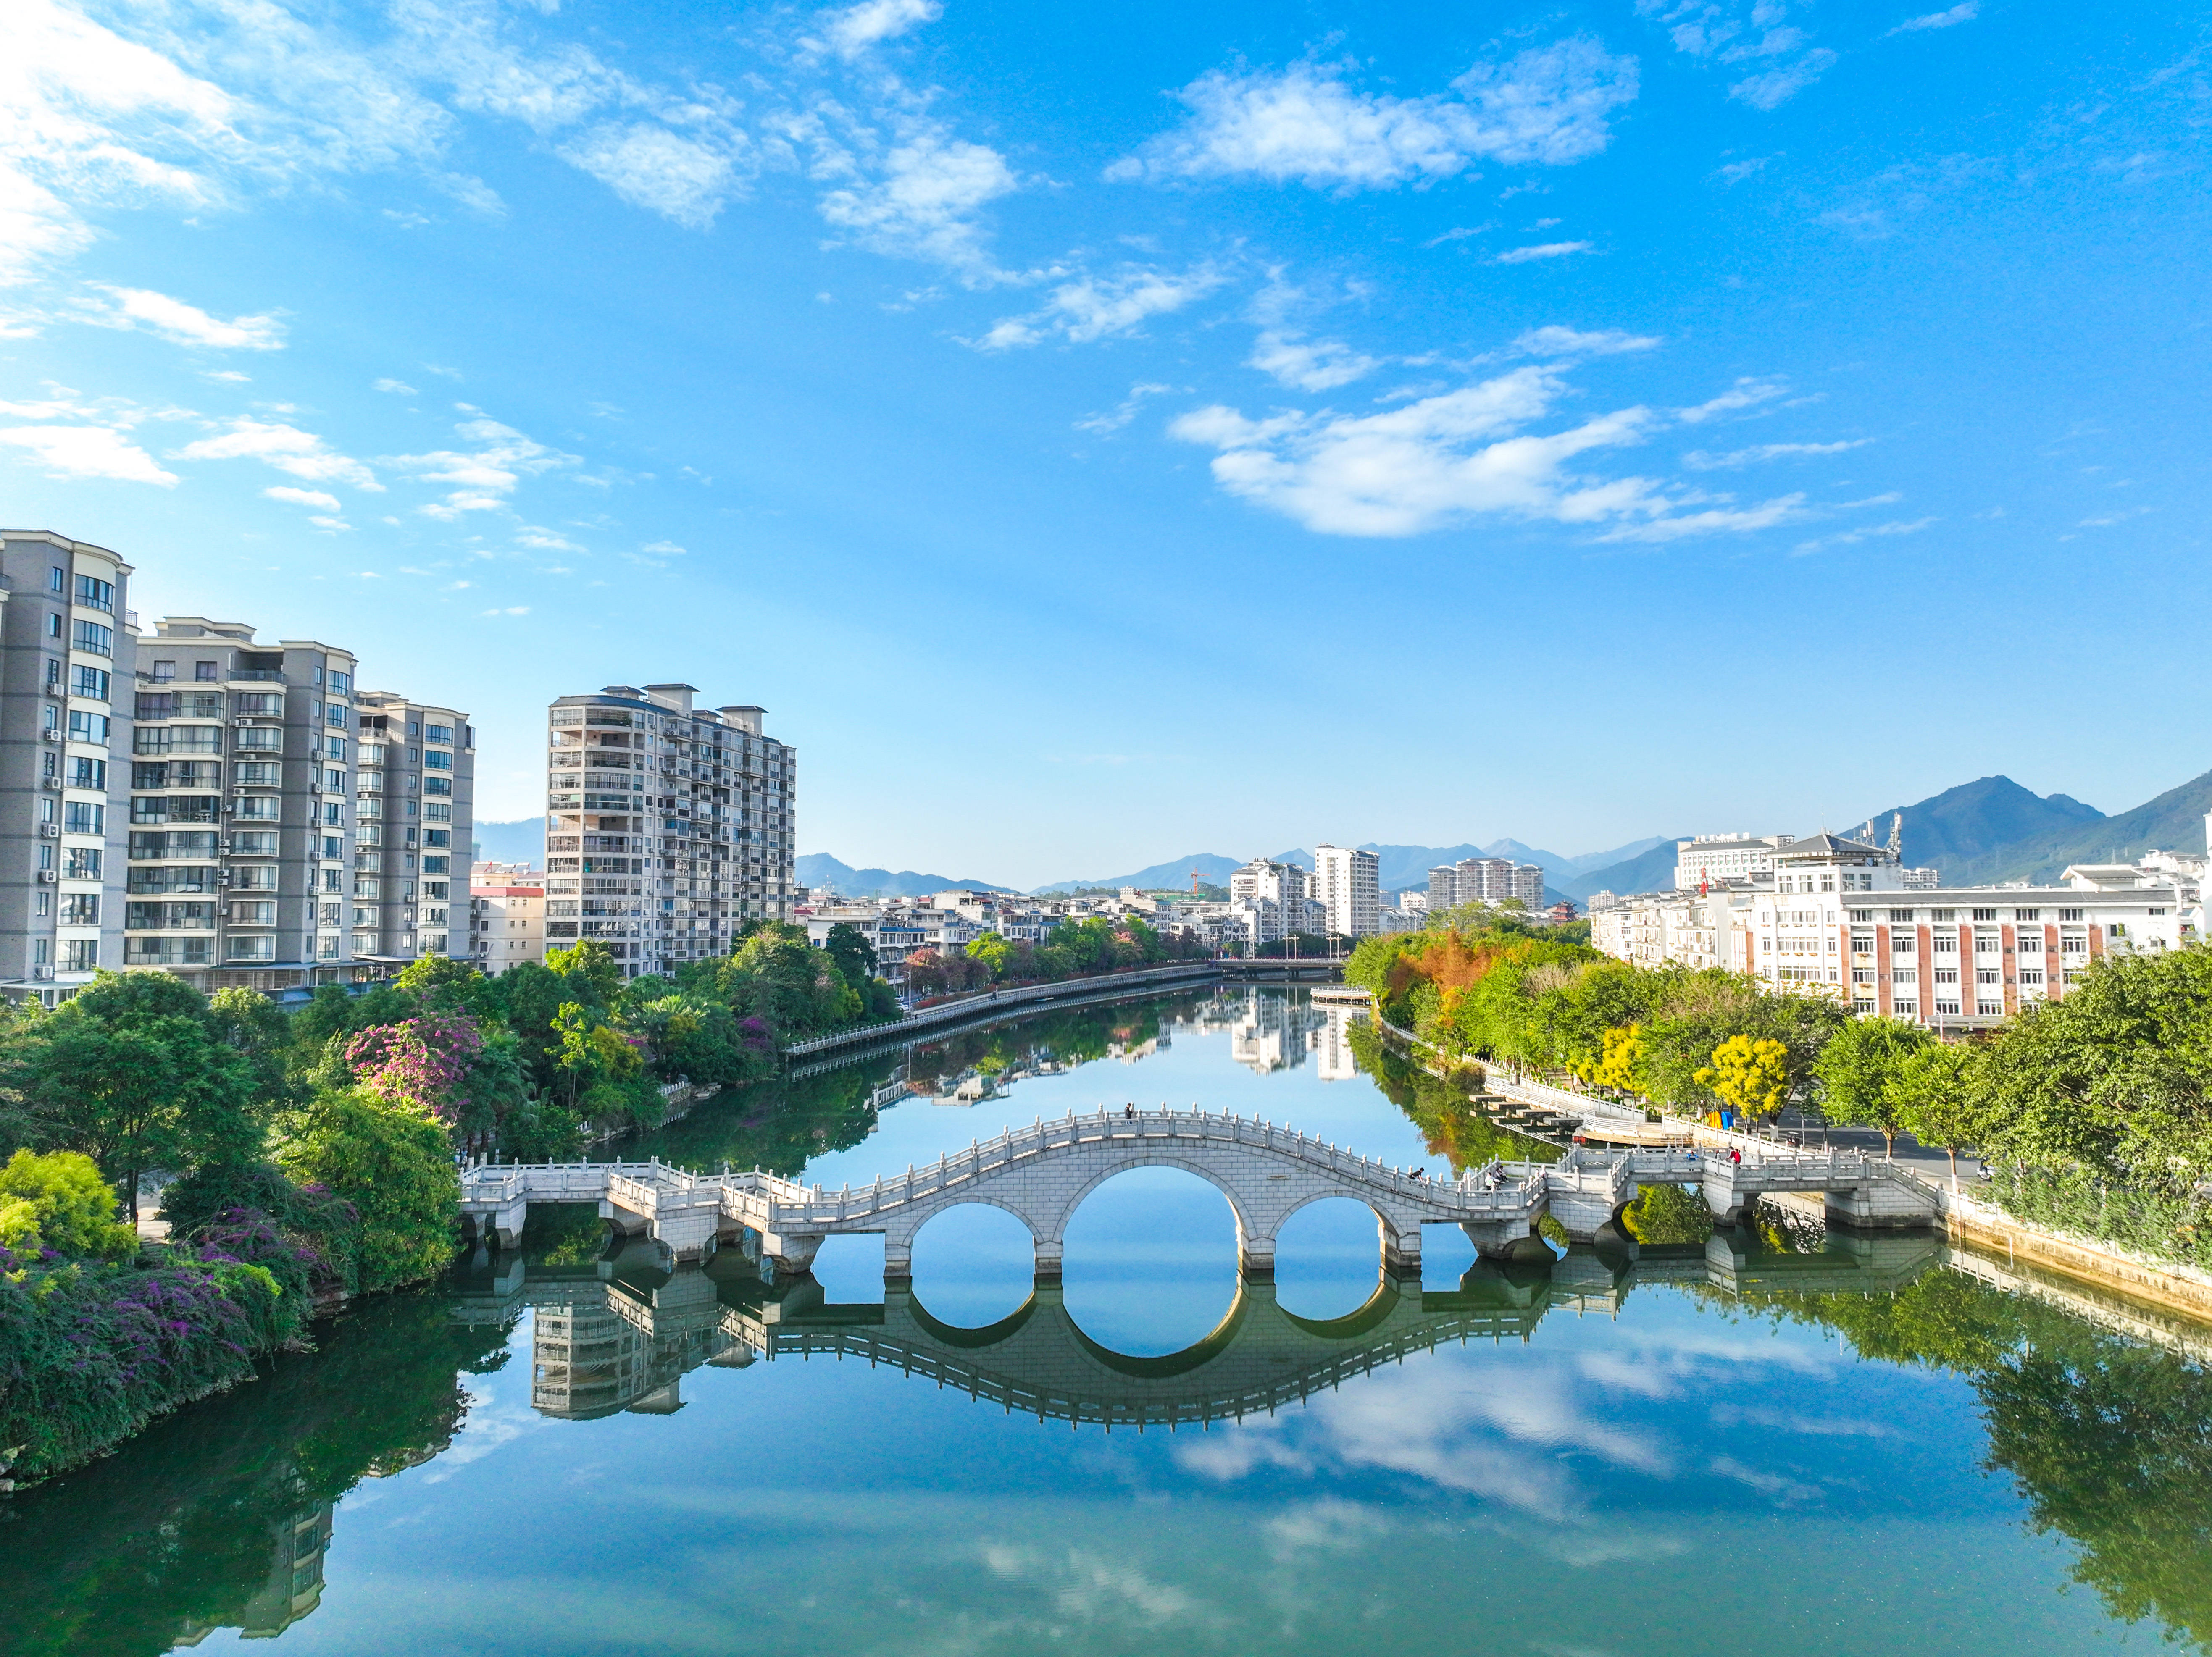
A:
x: 820, y: 869
x: 1994, y: 830
x: 1651, y: 870
x: 522, y: 841
x: 1990, y: 829
x: 1174, y: 874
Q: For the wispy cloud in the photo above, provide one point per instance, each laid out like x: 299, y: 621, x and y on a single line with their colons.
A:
x: 175, y: 320
x: 1747, y: 392
x: 918, y: 197
x: 302, y: 497
x: 1105, y: 425
x: 1309, y: 365
x: 1852, y: 538
x: 1092, y: 307
x: 1699, y: 460
x: 1308, y: 124
x: 1749, y: 35
x: 1569, y: 342
x: 1965, y: 12
x: 482, y: 478
x: 285, y: 446
x: 396, y: 387
x: 1550, y: 250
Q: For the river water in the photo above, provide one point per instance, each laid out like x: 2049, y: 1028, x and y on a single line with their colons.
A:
x: 1769, y: 1440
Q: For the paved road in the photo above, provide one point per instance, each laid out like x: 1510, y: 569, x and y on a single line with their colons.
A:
x: 1930, y: 1162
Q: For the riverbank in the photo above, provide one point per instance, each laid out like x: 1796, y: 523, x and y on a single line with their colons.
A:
x: 944, y: 1014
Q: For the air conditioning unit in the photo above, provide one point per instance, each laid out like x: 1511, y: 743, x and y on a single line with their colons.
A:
x: 50, y: 830
x: 54, y: 783
x: 50, y: 734
x: 48, y: 876
x: 42, y: 972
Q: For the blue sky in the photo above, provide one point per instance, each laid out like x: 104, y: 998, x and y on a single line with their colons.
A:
x: 1098, y: 435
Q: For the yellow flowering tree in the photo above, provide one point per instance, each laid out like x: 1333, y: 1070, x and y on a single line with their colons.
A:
x: 1753, y: 1077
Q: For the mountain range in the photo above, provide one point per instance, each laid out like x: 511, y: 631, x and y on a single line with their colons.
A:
x: 820, y: 869
x: 1982, y: 832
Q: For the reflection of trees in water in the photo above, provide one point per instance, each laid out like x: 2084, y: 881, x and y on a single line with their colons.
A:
x: 216, y: 1517
x: 1450, y: 1125
x: 782, y: 1125
x: 2109, y: 1440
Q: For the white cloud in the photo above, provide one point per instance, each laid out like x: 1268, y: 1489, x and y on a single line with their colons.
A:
x: 650, y: 167
x: 226, y: 376
x: 1964, y: 12
x: 1568, y: 342
x: 396, y: 387
x: 1713, y: 520
x: 919, y: 201
x: 1550, y: 250
x: 332, y: 524
x: 851, y: 32
x: 1091, y: 307
x: 1736, y: 172
x: 1778, y: 86
x: 1746, y: 392
x: 1316, y: 365
x: 1701, y: 461
x: 1548, y: 105
x: 184, y: 325
x: 1429, y: 463
x: 89, y: 452
x: 303, y: 497
x: 512, y: 609
x: 481, y: 479
x: 286, y: 447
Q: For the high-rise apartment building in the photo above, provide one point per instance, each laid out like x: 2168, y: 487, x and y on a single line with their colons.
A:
x: 66, y: 645
x: 241, y: 814
x: 667, y: 826
x: 1486, y: 880
x: 416, y: 795
x: 1347, y: 882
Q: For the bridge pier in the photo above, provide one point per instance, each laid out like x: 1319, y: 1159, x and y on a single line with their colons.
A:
x: 795, y: 1255
x: 1506, y: 1241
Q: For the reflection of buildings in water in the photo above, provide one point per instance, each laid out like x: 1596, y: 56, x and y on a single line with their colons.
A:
x: 1274, y: 1032
x: 626, y: 1345
x: 295, y: 1586
x: 1333, y: 1059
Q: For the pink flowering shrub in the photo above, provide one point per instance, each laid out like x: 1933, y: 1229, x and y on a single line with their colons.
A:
x: 422, y: 1064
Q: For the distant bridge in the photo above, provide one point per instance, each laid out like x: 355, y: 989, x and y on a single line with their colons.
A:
x: 1041, y: 1174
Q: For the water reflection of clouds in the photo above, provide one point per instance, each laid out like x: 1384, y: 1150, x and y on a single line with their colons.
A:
x: 1506, y: 1426
x: 1089, y: 1587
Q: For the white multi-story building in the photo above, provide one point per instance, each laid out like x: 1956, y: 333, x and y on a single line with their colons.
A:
x: 667, y: 826
x: 415, y: 794
x: 1837, y: 919
x: 1486, y: 880
x: 506, y: 915
x: 1714, y: 859
x: 1347, y: 881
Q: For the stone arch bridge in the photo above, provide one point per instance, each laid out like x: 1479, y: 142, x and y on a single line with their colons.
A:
x: 1043, y: 1172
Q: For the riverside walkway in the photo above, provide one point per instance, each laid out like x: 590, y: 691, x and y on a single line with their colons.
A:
x: 1043, y: 1172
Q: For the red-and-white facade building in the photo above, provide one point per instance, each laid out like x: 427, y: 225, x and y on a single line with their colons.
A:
x: 1837, y: 918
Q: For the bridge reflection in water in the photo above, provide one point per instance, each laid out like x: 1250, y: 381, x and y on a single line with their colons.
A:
x: 621, y: 1335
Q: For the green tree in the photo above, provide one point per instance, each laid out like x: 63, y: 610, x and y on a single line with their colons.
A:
x: 59, y: 1201
x: 848, y: 946
x: 1858, y: 1071
x: 1937, y: 1100
x: 395, y: 1166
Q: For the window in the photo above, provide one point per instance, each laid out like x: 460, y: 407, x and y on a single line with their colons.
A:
x: 1862, y: 916
x: 333, y: 880
x: 58, y: 580
x: 437, y: 837
x: 258, y: 774
x: 326, y: 947
x: 2027, y: 915
x: 87, y: 727
x: 92, y: 639
x: 254, y: 843
x: 334, y: 747
x: 84, y: 773
x: 82, y: 818
x: 333, y: 815
x: 1947, y: 974
x: 262, y: 738
x: 253, y: 912
x: 54, y: 626
x: 1986, y: 943
x: 1943, y: 1007
x: 333, y: 846
x: 1988, y: 1008
x: 2031, y: 975
x: 437, y: 785
x: 95, y: 593
x: 259, y: 704
x: 90, y: 682
x: 367, y: 887
x: 437, y: 762
x: 437, y: 812
x: 437, y: 733
x: 2031, y: 946
x: 1985, y: 915
x: 255, y: 878
x: 83, y: 863
x: 81, y: 909
x: 2070, y: 915
x: 2154, y: 912
x: 1985, y: 975
x: 437, y: 865
x: 164, y: 672
x: 177, y: 739
x: 206, y: 672
x: 1863, y: 974
x: 80, y: 955
x: 260, y: 807
x: 1942, y: 914
x: 1907, y: 945
x: 252, y: 949
x: 341, y: 683
x: 436, y: 888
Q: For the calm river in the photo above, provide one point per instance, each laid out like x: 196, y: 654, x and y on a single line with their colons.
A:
x: 1765, y: 1442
